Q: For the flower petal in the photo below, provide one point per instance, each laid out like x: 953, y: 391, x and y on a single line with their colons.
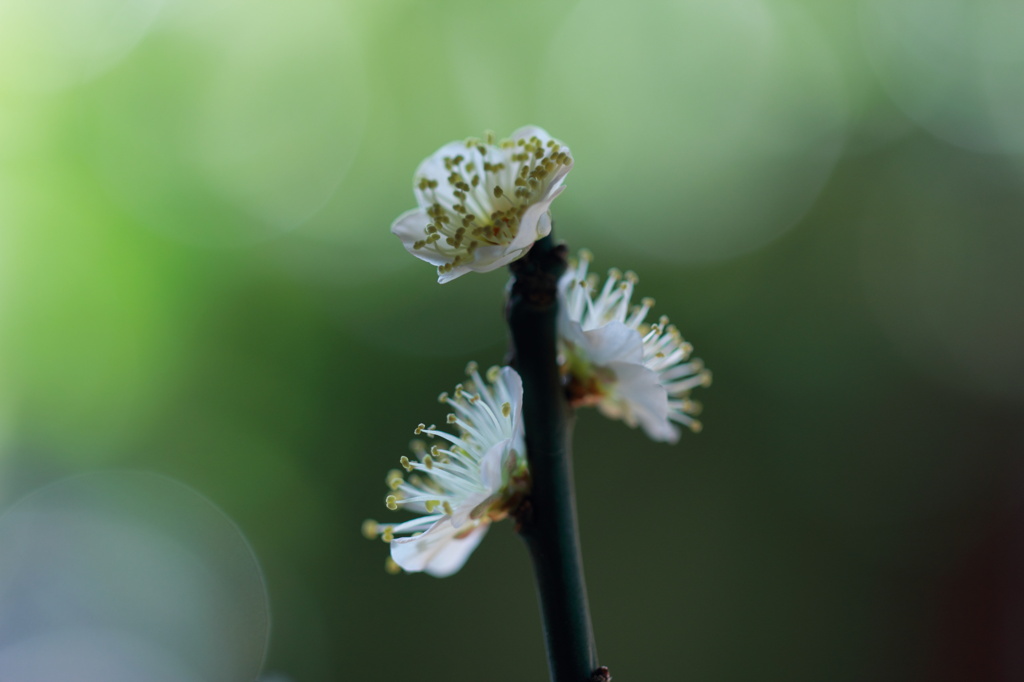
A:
x: 409, y: 227
x: 484, y: 202
x: 640, y: 399
x: 440, y: 551
x: 614, y: 342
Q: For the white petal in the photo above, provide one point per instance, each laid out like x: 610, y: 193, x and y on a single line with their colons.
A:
x: 645, y: 398
x: 438, y: 551
x: 569, y: 330
x: 466, y: 507
x: 614, y: 342
x: 535, y: 224
x: 492, y: 463
x: 514, y: 385
x: 433, y: 167
x: 455, y: 272
x: 410, y: 228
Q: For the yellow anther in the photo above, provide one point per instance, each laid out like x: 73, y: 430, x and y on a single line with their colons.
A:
x: 443, y: 398
x: 696, y: 426
x: 391, y: 502
x: 632, y: 278
x: 417, y: 446
x: 452, y: 418
x: 435, y: 451
x: 431, y: 505
x: 370, y: 529
x: 647, y: 302
x: 659, y: 354
x: 428, y: 462
x: 705, y: 379
x: 388, y: 535
x: 406, y: 464
x: 498, y: 192
x: 615, y: 274
x: 585, y: 255
x: 506, y: 409
x: 472, y: 368
x: 663, y: 320
x: 394, y: 479
x: 419, y: 429
x: 390, y: 567
x: 447, y: 508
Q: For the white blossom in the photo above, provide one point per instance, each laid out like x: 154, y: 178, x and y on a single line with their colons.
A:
x: 482, y: 204
x: 630, y: 369
x: 462, y: 483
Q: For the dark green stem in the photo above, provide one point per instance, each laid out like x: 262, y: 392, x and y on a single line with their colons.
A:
x: 547, y: 517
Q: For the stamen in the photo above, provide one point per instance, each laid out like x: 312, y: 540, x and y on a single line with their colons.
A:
x: 394, y: 479
x: 370, y: 529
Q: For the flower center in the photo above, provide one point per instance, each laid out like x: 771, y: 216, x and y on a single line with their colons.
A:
x: 482, y: 199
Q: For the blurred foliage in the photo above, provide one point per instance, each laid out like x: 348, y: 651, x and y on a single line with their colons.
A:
x: 196, y: 278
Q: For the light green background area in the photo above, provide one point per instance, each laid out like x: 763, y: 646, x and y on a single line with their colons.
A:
x: 197, y: 278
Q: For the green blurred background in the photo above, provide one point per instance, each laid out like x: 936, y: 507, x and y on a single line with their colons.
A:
x: 197, y: 278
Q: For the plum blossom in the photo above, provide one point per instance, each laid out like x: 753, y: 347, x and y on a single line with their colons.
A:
x: 464, y: 482
x: 482, y: 203
x: 632, y: 370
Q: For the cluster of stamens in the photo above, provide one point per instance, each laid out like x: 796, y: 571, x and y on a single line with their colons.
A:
x: 482, y: 199
x: 665, y: 350
x: 440, y: 478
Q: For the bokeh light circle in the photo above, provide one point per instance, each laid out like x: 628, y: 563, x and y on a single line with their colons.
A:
x: 235, y: 123
x: 49, y: 45
x: 709, y: 128
x: 953, y: 66
x: 129, y: 575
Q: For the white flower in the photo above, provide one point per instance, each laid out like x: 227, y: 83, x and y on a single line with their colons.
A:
x: 463, y: 484
x: 637, y: 372
x: 483, y: 204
